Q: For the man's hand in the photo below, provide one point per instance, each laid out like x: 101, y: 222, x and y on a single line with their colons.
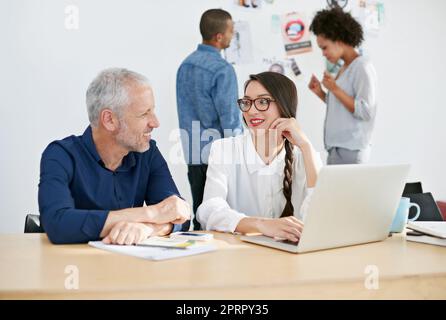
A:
x: 172, y: 209
x: 128, y: 233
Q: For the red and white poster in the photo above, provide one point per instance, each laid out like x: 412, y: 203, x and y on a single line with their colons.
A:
x: 295, y: 33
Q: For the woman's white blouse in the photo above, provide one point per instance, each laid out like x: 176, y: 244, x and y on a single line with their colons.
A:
x: 240, y: 184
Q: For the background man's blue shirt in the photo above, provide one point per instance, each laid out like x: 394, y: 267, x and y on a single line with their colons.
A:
x: 76, y: 191
x: 206, y: 92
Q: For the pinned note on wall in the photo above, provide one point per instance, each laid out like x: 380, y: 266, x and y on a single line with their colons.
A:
x: 240, y: 50
x: 295, y: 33
x: 371, y: 15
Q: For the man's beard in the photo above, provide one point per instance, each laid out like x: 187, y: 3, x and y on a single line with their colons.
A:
x: 128, y: 140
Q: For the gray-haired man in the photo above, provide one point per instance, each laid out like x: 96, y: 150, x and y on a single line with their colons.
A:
x: 95, y: 185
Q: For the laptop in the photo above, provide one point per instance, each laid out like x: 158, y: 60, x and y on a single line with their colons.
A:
x: 350, y: 205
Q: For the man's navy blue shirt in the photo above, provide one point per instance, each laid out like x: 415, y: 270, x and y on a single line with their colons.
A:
x: 76, y: 191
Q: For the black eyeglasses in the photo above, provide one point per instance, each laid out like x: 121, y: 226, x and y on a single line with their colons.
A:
x: 261, y: 104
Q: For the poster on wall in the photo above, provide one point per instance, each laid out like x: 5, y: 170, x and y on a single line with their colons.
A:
x: 295, y: 33
x: 274, y: 65
x: 253, y: 3
x: 240, y: 49
x: 275, y: 24
x: 370, y: 14
x: 286, y: 66
x: 337, y: 3
x: 250, y: 3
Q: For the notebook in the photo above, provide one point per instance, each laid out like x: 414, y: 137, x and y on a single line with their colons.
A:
x: 432, y: 228
x: 164, y: 242
x: 427, y: 239
x: 155, y: 253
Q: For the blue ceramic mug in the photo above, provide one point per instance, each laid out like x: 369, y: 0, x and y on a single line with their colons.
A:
x: 402, y: 215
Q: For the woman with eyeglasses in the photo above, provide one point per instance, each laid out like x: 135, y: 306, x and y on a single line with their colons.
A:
x: 261, y: 181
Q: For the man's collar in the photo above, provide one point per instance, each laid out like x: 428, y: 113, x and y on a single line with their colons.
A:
x: 87, y: 137
x: 208, y: 48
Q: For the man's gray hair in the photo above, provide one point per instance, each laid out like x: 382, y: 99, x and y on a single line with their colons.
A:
x: 110, y: 90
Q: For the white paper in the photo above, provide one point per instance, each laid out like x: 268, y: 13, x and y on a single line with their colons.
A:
x: 433, y: 228
x: 240, y: 50
x: 153, y: 253
x: 428, y: 240
x: 370, y: 13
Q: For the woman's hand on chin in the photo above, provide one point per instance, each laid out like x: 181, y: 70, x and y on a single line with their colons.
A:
x: 290, y: 129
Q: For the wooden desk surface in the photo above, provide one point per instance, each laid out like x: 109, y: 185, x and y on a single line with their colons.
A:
x: 31, y: 267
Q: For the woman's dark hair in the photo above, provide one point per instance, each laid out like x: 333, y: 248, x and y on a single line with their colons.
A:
x: 284, y: 92
x: 337, y: 25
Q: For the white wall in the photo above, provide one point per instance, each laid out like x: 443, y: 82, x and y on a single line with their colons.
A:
x: 45, y: 70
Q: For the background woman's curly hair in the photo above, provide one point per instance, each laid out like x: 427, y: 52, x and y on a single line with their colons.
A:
x: 337, y: 25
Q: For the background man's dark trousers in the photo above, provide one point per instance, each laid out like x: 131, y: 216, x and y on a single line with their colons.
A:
x: 197, y: 179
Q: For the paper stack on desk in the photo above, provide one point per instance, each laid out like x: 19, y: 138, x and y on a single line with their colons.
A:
x: 431, y: 232
x: 158, y: 248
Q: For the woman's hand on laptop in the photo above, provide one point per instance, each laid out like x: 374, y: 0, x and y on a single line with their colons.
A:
x: 289, y: 228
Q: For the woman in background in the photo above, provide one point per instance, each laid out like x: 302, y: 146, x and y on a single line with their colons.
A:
x: 261, y: 181
x: 351, y: 95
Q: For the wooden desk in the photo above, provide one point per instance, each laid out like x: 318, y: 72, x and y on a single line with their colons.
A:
x: 31, y: 267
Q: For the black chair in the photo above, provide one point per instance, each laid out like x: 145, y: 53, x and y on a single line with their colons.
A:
x: 429, y: 209
x: 32, y: 224
x: 412, y: 187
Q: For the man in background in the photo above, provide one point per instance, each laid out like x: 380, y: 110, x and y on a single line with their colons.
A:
x: 207, y: 98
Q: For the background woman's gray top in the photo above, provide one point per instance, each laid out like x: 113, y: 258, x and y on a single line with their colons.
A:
x: 352, y: 130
